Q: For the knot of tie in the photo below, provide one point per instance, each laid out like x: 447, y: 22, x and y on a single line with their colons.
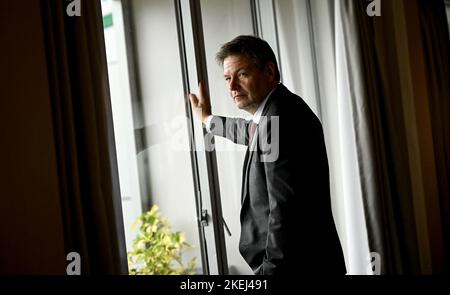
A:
x: 251, y: 132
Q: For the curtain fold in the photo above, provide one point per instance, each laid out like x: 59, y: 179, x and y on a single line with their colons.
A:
x: 434, y: 28
x: 341, y: 120
x: 87, y: 166
x: 381, y: 188
x: 407, y: 219
x: 320, y: 63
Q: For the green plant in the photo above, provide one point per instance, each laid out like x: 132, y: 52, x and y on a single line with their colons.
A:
x: 157, y: 250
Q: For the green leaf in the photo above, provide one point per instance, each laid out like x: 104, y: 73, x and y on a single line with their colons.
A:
x: 157, y: 249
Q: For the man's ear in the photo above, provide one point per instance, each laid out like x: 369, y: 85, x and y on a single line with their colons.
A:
x: 270, y: 69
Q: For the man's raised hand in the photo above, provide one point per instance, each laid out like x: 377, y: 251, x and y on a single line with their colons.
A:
x: 201, y: 104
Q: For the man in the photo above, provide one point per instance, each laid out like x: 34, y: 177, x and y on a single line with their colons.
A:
x: 286, y: 220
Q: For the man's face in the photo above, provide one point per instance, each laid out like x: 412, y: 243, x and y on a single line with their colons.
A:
x: 247, y: 85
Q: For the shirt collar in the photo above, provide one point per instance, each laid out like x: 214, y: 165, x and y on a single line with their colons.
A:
x: 257, y: 116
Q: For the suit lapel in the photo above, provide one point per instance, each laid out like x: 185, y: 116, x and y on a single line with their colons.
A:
x: 244, y: 190
x: 249, y: 154
x: 246, y: 171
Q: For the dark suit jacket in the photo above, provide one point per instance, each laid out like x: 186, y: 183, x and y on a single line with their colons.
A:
x: 286, y: 220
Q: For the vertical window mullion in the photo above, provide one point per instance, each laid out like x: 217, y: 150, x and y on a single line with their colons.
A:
x: 193, y: 152
x: 211, y: 161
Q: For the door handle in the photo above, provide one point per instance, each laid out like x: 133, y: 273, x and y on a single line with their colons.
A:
x: 226, y: 226
x: 204, y: 219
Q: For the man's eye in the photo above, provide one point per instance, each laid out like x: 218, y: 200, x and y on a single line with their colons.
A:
x: 227, y: 79
x: 242, y: 74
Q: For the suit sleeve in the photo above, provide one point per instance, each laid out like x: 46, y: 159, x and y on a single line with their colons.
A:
x: 234, y: 129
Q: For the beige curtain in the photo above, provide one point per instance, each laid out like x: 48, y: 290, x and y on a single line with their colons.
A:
x: 87, y: 168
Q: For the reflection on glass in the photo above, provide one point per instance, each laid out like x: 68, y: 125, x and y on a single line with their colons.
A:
x: 222, y: 21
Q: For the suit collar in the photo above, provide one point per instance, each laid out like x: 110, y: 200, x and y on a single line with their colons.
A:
x: 257, y: 116
x: 275, y: 94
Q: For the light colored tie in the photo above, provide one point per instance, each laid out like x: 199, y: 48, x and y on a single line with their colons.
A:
x: 252, y: 130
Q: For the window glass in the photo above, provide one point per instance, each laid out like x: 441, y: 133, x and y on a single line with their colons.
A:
x: 150, y: 125
x: 222, y: 21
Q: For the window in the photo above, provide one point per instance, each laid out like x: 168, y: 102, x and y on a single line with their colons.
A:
x: 148, y: 110
x: 157, y: 51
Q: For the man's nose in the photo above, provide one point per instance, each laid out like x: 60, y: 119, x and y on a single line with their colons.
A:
x: 234, y: 85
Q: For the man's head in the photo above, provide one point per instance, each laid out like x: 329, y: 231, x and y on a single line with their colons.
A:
x: 250, y: 69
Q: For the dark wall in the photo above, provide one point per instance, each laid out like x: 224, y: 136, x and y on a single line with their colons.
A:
x: 31, y: 230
